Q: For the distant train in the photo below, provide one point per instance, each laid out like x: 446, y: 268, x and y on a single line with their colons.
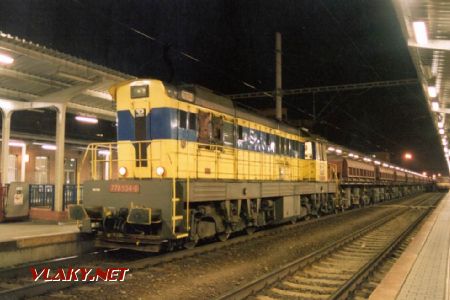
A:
x: 189, y: 165
x: 443, y: 183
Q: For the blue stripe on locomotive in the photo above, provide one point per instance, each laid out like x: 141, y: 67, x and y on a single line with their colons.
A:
x: 125, y: 126
x: 161, y: 123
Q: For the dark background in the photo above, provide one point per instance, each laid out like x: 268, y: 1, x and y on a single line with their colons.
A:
x: 325, y: 42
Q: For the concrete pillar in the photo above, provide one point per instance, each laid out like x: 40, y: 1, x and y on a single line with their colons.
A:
x: 6, y: 132
x: 59, y: 155
x: 23, y: 162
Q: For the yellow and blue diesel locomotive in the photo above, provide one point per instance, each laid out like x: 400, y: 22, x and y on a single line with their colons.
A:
x: 189, y: 165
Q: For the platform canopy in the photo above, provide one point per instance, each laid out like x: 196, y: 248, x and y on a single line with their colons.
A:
x: 426, y: 28
x: 30, y: 72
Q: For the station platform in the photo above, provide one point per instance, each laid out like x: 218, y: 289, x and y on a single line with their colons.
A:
x: 24, y: 242
x: 422, y: 271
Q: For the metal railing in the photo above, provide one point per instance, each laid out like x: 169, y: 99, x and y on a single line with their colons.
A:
x: 185, y: 160
x: 43, y: 195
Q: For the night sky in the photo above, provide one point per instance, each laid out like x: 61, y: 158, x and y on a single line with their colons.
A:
x: 325, y: 42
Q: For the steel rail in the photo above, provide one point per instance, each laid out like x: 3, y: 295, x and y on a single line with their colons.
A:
x: 292, y: 267
x: 39, y: 288
x: 365, y: 271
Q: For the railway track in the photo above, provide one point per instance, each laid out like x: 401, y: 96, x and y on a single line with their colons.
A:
x: 335, y: 271
x: 17, y: 282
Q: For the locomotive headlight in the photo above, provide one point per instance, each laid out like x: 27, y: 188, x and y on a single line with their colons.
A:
x: 160, y: 171
x: 122, y: 171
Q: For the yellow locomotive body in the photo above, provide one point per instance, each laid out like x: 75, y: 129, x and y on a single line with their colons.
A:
x: 189, y: 165
x: 184, y: 150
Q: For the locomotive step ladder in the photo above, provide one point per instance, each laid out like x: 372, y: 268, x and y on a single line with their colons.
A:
x: 175, y: 217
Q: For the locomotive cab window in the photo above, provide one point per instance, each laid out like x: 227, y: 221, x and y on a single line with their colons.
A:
x: 139, y: 91
x: 182, y: 121
x: 192, y: 121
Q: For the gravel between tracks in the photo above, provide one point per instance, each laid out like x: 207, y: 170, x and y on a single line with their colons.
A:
x: 209, y: 275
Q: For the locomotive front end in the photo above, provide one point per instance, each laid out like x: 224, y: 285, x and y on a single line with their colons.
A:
x: 129, y: 201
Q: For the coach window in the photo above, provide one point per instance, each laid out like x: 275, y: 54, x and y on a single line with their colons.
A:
x: 301, y: 150
x: 309, y: 152
x: 182, y: 119
x: 192, y: 121
x: 217, y: 129
x: 204, y: 127
x: 282, y: 146
x: 228, y: 136
x: 240, y: 133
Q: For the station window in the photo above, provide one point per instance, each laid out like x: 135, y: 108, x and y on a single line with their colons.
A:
x: 41, y: 169
x: 182, y: 119
x: 267, y: 139
x: 192, y: 121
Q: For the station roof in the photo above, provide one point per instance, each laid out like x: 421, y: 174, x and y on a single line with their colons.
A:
x: 426, y: 28
x: 40, y: 74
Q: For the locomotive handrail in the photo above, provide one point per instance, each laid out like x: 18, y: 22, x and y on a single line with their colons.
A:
x: 252, y: 165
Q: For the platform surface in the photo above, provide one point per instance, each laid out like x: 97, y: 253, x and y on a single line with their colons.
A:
x: 23, y: 230
x: 421, y: 272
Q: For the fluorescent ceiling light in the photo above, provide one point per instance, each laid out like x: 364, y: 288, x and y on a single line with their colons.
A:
x: 440, y: 124
x: 49, y: 147
x: 434, y: 106
x: 104, y: 152
x: 6, y: 59
x: 338, y: 151
x: 441, y: 131
x: 16, y: 144
x: 331, y: 149
x: 420, y: 32
x: 432, y: 92
x: 84, y: 119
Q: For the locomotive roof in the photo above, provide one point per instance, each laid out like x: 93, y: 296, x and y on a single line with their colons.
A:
x: 207, y: 98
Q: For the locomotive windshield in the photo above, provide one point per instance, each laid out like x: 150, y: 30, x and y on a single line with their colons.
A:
x: 139, y: 91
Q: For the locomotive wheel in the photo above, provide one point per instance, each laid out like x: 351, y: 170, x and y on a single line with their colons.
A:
x: 169, y: 246
x: 190, y: 244
x: 223, y: 236
x: 250, y: 230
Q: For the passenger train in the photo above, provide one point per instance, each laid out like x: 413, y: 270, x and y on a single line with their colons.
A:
x: 189, y: 165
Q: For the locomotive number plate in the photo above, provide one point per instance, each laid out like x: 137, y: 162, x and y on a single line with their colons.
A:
x: 124, y: 188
